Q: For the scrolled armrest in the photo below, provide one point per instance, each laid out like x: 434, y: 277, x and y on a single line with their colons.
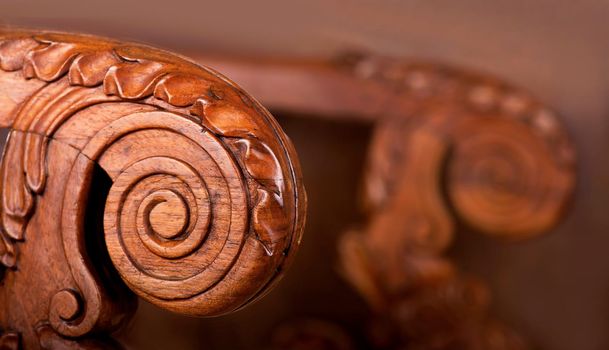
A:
x: 124, y: 160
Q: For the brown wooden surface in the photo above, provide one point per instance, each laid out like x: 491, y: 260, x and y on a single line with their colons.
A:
x: 553, y: 288
x: 469, y: 150
x: 126, y: 162
x: 449, y: 146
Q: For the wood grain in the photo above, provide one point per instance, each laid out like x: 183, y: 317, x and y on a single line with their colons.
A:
x: 129, y: 169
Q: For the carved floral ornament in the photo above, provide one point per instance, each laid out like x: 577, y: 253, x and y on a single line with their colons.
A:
x: 206, y: 203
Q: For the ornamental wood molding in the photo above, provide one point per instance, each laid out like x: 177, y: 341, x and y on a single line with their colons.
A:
x: 132, y: 171
x: 470, y: 151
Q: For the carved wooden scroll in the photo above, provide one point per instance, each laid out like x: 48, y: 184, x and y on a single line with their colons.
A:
x: 129, y: 164
x: 464, y: 148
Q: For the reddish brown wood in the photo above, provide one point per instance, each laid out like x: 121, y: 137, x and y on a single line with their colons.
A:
x: 449, y: 147
x: 324, y: 89
x: 200, y: 197
x: 473, y: 150
x: 128, y: 161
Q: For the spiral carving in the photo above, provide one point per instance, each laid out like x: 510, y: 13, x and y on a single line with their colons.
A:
x: 458, y: 148
x: 509, y: 161
x: 503, y: 180
x: 176, y: 217
x: 206, y: 204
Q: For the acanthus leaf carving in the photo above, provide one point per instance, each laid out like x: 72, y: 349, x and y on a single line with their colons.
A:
x: 13, y: 52
x: 149, y: 73
x: 90, y: 69
x: 221, y: 188
x: 172, y: 82
x: 49, y: 62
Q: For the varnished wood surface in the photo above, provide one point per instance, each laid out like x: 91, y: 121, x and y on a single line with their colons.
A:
x: 126, y: 161
x: 520, y: 41
x: 449, y: 146
x: 555, y: 287
x: 402, y: 95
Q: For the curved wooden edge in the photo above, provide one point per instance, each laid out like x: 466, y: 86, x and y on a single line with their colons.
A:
x: 132, y: 162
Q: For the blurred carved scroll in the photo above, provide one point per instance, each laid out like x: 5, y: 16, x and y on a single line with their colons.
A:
x: 464, y: 148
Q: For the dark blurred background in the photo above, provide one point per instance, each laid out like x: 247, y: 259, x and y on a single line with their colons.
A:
x: 554, y: 289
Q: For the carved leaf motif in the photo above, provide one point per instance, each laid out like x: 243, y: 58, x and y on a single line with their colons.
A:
x: 13, y: 227
x: 190, y: 89
x: 133, y: 80
x: 12, y: 53
x: 35, y: 161
x: 90, y: 69
x: 260, y: 163
x: 127, y: 76
x: 17, y: 199
x: 229, y: 121
x: 242, y: 148
x: 270, y: 222
x: 50, y: 62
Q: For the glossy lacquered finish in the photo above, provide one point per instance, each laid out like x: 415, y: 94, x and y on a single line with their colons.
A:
x: 132, y: 171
